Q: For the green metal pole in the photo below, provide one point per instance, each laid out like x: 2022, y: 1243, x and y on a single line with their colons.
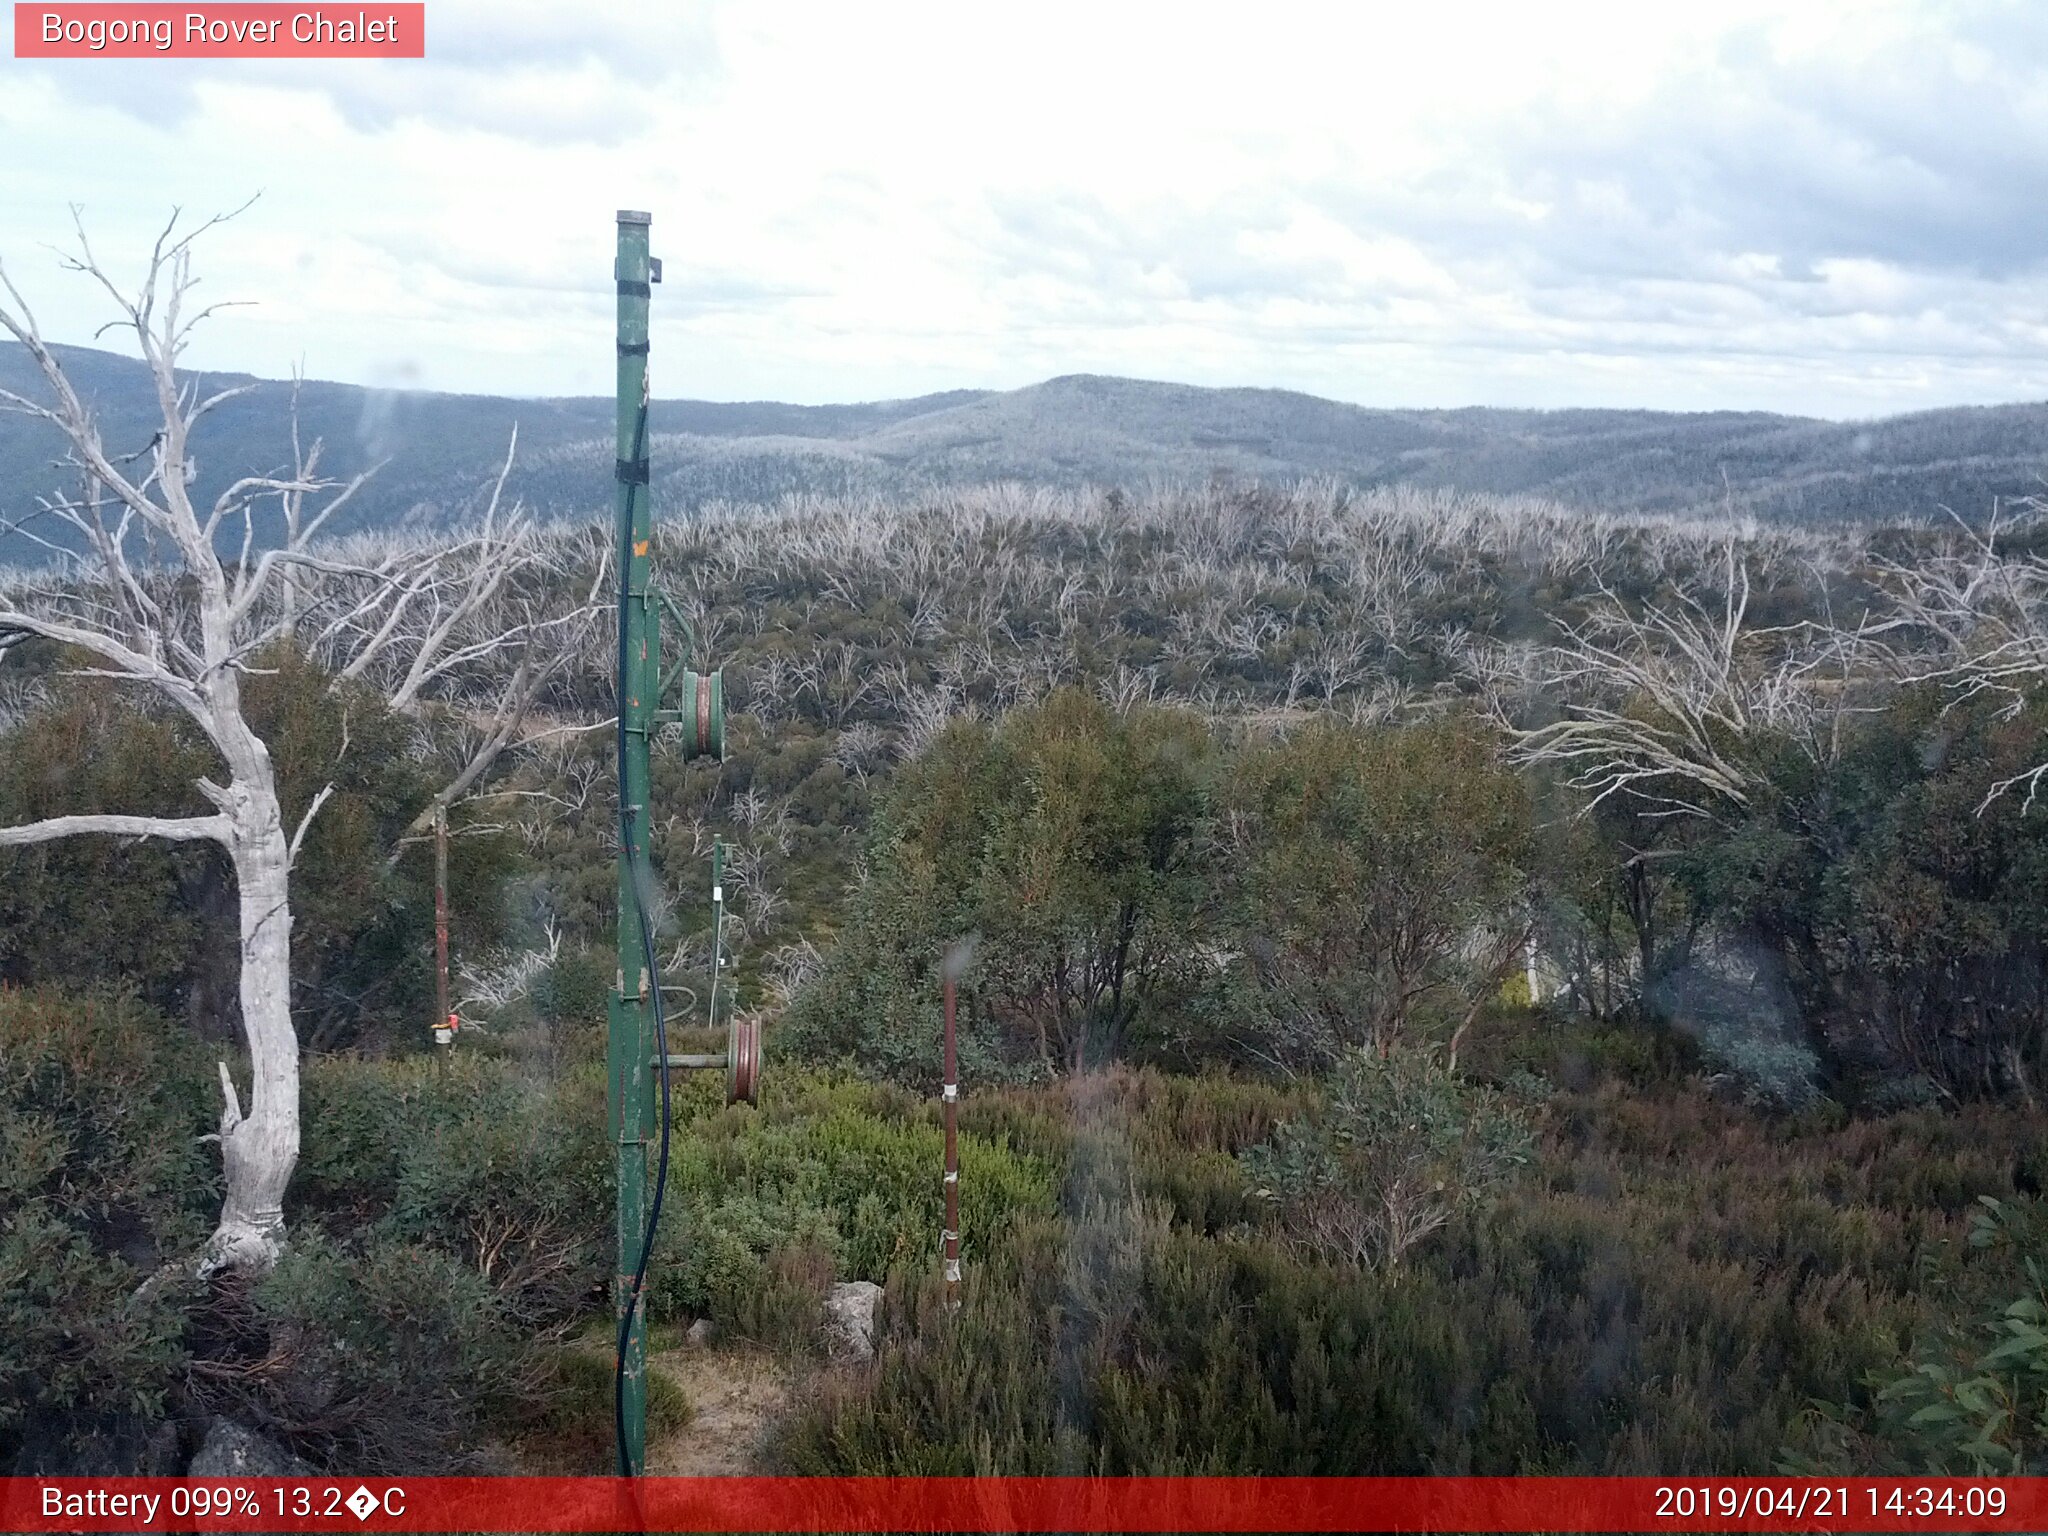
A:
x: 630, y: 1043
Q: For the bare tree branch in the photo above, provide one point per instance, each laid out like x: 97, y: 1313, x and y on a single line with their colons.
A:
x: 180, y: 829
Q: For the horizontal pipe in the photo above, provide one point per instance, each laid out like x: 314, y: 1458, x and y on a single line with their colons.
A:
x: 695, y: 1059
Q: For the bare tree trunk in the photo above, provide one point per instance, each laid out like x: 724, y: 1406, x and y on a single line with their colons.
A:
x: 260, y: 1149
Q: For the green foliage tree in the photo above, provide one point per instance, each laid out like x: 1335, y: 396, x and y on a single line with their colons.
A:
x: 1066, y: 842
x: 363, y: 892
x: 92, y: 911
x: 1906, y: 909
x: 162, y: 917
x: 1090, y: 877
x: 1375, y: 882
x: 1934, y: 922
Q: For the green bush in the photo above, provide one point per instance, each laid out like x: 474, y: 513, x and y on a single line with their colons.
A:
x: 1973, y: 1400
x: 103, y: 1179
x: 829, y: 1178
x: 380, y: 1355
x: 503, y: 1169
x: 1401, y: 1145
x: 1667, y: 1287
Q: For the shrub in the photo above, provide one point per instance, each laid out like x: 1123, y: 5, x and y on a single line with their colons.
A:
x: 102, y: 1180
x: 571, y: 1420
x: 477, y: 1199
x: 830, y: 1178
x: 1402, y: 1144
x: 78, y: 1341
x: 380, y: 1356
x: 503, y: 1169
x: 1972, y: 1401
x: 1666, y: 1288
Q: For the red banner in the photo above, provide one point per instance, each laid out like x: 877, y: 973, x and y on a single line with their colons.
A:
x: 1039, y: 1504
x: 214, y: 31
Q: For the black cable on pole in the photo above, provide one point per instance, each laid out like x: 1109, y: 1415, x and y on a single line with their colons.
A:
x: 635, y: 855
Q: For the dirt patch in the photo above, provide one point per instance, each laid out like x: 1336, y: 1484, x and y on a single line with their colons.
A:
x: 734, y: 1393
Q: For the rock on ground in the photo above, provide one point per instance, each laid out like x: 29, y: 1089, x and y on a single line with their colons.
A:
x: 231, y: 1450
x: 850, y: 1319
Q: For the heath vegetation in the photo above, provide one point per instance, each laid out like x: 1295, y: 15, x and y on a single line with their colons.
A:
x: 1458, y: 983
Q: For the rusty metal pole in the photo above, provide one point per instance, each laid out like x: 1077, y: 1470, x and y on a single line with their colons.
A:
x: 444, y: 1024
x: 951, y: 1233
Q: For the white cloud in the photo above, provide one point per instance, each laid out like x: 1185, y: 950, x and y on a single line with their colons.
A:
x: 1830, y: 211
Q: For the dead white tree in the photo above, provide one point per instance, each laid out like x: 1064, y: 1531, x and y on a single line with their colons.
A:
x: 1663, y: 707
x: 862, y: 748
x: 1974, y: 618
x: 1661, y: 702
x: 470, y: 623
x: 155, y: 589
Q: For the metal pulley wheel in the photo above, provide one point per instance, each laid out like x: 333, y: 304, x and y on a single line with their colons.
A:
x: 701, y: 712
x: 743, y: 1061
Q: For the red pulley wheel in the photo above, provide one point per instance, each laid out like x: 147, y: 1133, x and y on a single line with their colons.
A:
x: 743, y: 1062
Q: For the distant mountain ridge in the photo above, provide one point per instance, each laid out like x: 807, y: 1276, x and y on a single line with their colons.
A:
x: 1074, y: 430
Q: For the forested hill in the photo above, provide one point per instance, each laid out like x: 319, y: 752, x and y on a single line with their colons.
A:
x: 439, y: 448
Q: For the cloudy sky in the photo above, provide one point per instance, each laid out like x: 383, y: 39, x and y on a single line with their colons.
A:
x: 1843, y: 213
